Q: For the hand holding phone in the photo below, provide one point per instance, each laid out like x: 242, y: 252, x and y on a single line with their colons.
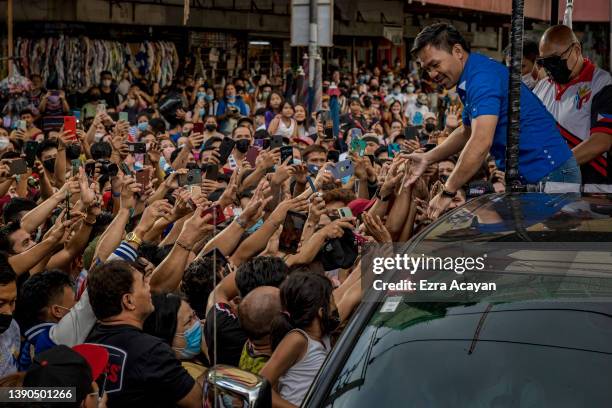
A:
x: 70, y: 125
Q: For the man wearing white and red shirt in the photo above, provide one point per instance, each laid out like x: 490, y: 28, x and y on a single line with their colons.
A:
x: 579, y: 95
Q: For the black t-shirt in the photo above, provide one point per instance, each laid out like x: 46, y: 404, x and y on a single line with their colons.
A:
x: 143, y: 371
x: 230, y: 334
x: 111, y: 98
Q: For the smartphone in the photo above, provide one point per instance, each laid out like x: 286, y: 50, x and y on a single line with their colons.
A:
x: 125, y: 169
x: 312, y: 169
x: 193, y: 176
x: 67, y: 205
x: 358, y: 146
x: 114, y: 116
x: 345, y: 212
x: 392, y: 149
x: 252, y: 155
x: 276, y: 141
x: 212, y: 172
x: 333, y: 156
x: 355, y: 133
x: 311, y: 184
x: 291, y: 235
x: 101, y: 385
x: 21, y: 124
x: 143, y: 177
x: 90, y: 169
x: 198, y: 127
x: 124, y: 116
x: 260, y: 143
x: 430, y: 146
x: 218, y: 216
x: 217, y: 256
x: 136, y: 148
x: 18, y: 166
x: 101, y: 107
x: 70, y: 126
x: 286, y: 153
x: 225, y: 149
x: 343, y: 169
x: 411, y: 133
x: 76, y: 165
x: 30, y: 149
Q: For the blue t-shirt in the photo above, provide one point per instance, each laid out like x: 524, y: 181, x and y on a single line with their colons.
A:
x: 36, y: 341
x: 483, y: 89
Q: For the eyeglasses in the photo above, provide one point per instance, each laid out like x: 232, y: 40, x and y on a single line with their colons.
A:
x: 543, y: 61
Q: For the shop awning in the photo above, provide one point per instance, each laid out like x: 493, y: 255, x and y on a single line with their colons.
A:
x: 584, y: 10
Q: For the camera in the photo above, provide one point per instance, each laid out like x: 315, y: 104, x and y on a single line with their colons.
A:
x: 107, y: 168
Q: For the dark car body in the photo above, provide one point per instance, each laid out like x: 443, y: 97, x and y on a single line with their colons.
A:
x: 535, y: 351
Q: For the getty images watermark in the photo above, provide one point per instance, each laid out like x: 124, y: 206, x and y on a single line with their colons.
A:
x: 403, y: 264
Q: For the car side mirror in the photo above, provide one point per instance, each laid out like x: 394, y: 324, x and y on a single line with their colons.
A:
x: 228, y: 386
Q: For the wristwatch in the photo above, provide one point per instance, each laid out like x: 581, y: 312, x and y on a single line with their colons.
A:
x: 381, y: 198
x: 132, y: 237
x: 448, y: 194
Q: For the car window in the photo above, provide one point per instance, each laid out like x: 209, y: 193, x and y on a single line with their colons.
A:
x: 544, y: 355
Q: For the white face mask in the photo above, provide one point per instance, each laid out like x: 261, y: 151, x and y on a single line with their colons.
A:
x: 99, y: 136
x: 529, y: 81
x: 4, y: 142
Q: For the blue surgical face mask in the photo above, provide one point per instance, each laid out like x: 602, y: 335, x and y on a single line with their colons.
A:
x: 193, y: 341
x: 255, y: 227
x: 201, y: 95
x: 209, y: 97
x: 142, y: 126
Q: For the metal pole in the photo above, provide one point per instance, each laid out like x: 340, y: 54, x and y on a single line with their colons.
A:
x: 554, y: 12
x: 9, y: 23
x: 312, y: 42
x: 513, y: 182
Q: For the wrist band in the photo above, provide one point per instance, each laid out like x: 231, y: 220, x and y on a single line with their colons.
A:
x: 117, y: 195
x: 241, y: 223
x: 185, y: 247
x: 448, y: 194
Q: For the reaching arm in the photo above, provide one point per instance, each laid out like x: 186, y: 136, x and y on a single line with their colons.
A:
x: 474, y: 153
x: 453, y: 144
x: 39, y: 215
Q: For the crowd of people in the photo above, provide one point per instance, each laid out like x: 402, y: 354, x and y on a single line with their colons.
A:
x: 177, y: 228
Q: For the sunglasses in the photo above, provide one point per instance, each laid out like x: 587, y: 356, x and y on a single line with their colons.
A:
x: 552, y: 59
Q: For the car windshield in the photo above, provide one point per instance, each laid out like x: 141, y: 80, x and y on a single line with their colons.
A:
x: 505, y: 355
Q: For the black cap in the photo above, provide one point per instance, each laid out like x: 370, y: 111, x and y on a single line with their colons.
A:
x: 60, y: 366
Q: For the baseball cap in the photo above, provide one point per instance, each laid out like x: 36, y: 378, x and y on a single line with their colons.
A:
x: 429, y: 115
x: 422, y: 98
x: 371, y: 138
x: 360, y: 205
x: 304, y: 139
x: 62, y: 366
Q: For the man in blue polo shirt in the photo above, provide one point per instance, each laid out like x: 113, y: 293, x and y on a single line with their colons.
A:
x: 482, y: 85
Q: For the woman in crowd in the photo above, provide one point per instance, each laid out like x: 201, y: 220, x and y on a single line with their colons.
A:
x: 284, y: 124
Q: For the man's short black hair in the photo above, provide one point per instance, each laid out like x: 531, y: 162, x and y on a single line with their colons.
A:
x: 442, y: 36
x: 531, y: 50
x: 260, y: 271
x: 44, y: 146
x: 198, y: 283
x: 7, y: 274
x: 37, y: 293
x: 6, y: 244
x: 11, y: 210
x: 101, y: 150
x: 105, y: 73
x: 26, y: 112
x: 106, y: 284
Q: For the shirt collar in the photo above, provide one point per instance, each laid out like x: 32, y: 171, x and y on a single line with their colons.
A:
x: 462, y: 83
x: 585, y: 75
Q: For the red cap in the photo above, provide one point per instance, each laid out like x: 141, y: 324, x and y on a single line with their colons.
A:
x: 96, y: 356
x: 303, y: 139
x: 360, y: 205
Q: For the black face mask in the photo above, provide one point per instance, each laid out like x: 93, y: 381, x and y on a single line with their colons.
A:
x: 430, y: 127
x: 49, y: 165
x: 557, y: 68
x: 243, y: 145
x: 73, y: 151
x: 210, y: 128
x: 443, y: 178
x: 5, y: 322
x: 331, y: 322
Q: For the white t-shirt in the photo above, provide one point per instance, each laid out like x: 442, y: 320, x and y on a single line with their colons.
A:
x: 416, y: 114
